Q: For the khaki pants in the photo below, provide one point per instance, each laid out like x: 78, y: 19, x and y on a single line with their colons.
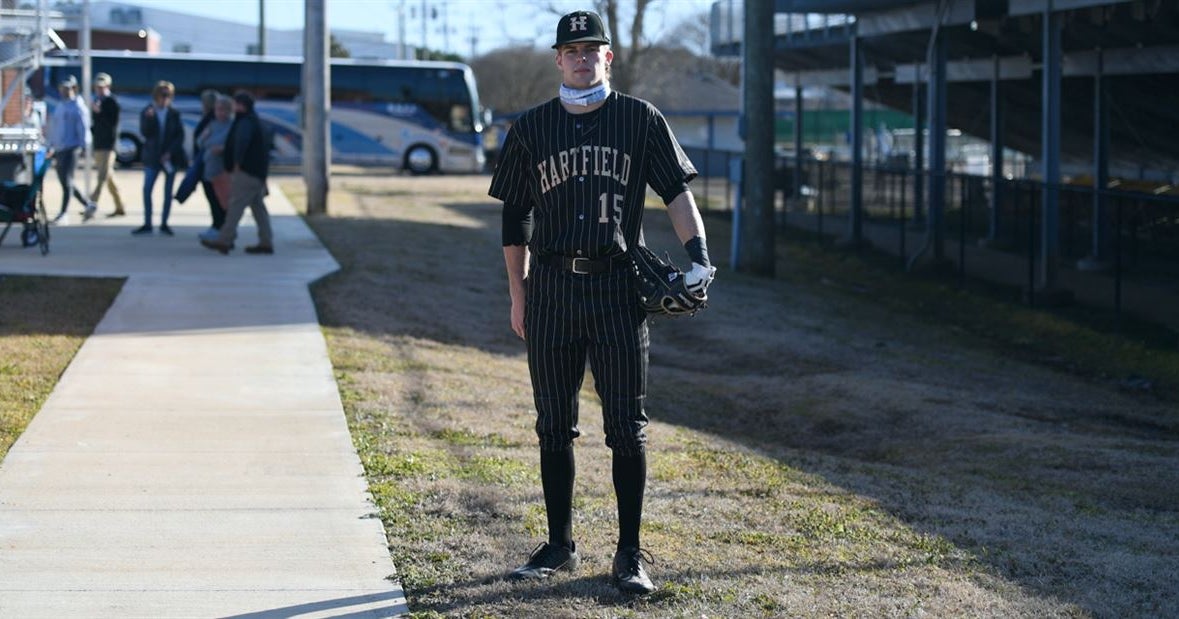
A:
x: 246, y: 191
x: 103, y: 160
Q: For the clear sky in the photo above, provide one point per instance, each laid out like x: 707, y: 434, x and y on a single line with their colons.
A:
x: 453, y: 23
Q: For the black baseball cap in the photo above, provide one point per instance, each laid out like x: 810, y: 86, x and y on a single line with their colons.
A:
x: 581, y: 27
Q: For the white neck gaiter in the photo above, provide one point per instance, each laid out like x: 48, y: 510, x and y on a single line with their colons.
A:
x: 589, y: 96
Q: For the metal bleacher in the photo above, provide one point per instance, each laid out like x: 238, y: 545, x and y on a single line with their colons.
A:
x: 1138, y: 42
x: 1098, y: 195
x: 25, y: 35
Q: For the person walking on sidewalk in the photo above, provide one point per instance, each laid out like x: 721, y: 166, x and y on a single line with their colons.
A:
x: 163, y: 151
x: 247, y: 157
x: 105, y: 129
x: 67, y: 136
x: 211, y: 146
x: 217, y: 205
x: 568, y: 230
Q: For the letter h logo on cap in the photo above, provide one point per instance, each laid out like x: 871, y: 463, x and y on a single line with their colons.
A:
x: 581, y: 27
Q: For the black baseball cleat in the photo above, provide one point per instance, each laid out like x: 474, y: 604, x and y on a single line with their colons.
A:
x: 629, y: 575
x: 545, y: 560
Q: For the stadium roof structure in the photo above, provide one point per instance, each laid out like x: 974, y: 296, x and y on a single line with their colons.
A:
x: 1133, y: 45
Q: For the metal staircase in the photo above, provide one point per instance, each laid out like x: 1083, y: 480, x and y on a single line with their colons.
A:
x: 25, y: 36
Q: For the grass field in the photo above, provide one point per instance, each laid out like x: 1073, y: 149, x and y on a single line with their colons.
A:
x: 45, y: 320
x: 840, y: 441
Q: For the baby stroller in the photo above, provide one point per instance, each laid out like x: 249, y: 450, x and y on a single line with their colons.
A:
x: 24, y: 204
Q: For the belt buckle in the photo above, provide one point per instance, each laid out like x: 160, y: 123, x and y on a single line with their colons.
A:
x: 586, y: 268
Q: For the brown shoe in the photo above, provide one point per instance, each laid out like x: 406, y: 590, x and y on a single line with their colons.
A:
x: 116, y: 214
x: 260, y: 249
x: 217, y: 246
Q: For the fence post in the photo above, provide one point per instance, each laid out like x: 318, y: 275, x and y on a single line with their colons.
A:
x: 1118, y: 264
x: 707, y: 175
x: 1031, y: 249
x: 728, y: 183
x: 904, y: 183
x: 963, y: 212
x: 822, y: 194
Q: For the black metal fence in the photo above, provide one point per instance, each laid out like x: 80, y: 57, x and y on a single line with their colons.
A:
x: 1132, y: 238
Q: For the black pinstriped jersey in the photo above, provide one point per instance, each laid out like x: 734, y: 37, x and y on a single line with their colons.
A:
x: 583, y: 177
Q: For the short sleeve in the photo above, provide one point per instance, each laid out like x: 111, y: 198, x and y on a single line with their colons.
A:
x: 668, y: 170
x: 510, y: 181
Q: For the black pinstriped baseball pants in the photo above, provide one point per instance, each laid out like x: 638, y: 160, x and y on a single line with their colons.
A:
x: 568, y: 318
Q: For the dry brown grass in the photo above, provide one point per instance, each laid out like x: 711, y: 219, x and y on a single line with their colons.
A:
x: 813, y: 452
x: 44, y: 321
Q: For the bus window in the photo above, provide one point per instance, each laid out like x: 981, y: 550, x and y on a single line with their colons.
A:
x: 460, y: 118
x: 227, y: 77
x: 350, y: 85
x: 279, y: 81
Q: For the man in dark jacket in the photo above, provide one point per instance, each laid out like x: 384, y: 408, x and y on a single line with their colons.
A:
x: 163, y: 150
x: 105, y: 128
x: 247, y: 159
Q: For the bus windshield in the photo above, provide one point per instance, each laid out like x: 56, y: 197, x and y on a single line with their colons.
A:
x: 418, y: 115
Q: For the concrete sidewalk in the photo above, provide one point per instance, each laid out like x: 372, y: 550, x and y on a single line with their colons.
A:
x: 194, y: 459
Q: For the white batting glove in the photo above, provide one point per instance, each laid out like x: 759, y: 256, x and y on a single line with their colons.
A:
x: 698, y: 279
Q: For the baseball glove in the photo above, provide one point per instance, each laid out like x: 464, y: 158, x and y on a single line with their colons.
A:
x: 662, y: 287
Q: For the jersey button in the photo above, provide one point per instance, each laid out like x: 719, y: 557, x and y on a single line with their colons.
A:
x: 581, y: 216
x: 579, y: 252
x: 581, y: 179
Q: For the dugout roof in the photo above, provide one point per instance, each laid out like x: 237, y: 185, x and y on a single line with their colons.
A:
x: 1139, y: 53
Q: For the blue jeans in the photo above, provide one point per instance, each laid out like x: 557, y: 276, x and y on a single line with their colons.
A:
x: 149, y: 183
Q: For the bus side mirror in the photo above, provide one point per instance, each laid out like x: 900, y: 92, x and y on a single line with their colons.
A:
x: 485, y: 117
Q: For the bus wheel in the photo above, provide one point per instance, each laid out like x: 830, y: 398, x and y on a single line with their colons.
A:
x: 127, y: 149
x: 421, y: 160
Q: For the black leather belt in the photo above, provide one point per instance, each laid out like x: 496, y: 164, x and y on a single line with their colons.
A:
x: 581, y: 266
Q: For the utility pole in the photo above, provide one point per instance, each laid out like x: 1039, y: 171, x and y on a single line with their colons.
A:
x: 757, y: 221
x: 261, y: 27
x: 425, y: 22
x: 401, y: 31
x: 317, y: 150
x: 85, y: 44
x: 445, y: 28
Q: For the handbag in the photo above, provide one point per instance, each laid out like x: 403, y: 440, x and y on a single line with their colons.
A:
x: 192, y: 178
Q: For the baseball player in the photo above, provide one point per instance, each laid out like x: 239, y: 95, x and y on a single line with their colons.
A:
x: 573, y: 175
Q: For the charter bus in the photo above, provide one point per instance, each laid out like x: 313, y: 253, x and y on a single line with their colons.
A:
x: 421, y: 116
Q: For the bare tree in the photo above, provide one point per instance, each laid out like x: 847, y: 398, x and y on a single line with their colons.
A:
x: 336, y: 49
x: 628, y: 51
x: 513, y: 79
x: 690, y: 34
x: 690, y: 39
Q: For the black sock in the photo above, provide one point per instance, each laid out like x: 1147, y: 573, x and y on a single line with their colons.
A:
x: 557, y: 470
x: 630, y: 480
